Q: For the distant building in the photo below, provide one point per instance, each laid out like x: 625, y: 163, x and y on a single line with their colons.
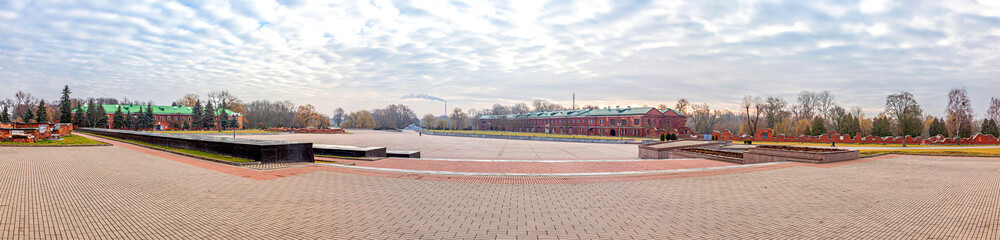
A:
x: 637, y: 122
x: 167, y: 117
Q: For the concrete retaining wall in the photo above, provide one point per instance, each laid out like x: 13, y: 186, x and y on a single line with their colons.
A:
x: 258, y: 150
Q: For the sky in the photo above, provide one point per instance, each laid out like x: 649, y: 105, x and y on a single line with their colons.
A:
x: 368, y: 54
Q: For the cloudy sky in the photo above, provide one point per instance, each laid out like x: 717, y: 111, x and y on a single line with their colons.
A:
x: 367, y: 54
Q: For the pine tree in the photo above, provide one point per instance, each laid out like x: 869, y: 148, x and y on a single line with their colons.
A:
x: 209, y: 116
x: 79, y: 117
x: 42, y: 115
x: 4, y: 116
x: 196, y: 116
x: 28, y: 116
x: 148, y: 115
x: 990, y: 127
x: 118, y: 121
x: 100, y: 117
x: 818, y: 126
x: 65, y: 107
x: 881, y: 127
x: 91, y: 110
x: 937, y: 127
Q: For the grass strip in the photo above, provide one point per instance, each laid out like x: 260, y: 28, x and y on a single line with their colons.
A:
x: 70, y: 140
x: 973, y: 152
x: 186, y: 151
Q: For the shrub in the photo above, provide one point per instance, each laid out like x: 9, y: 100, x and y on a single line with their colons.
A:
x: 663, y: 137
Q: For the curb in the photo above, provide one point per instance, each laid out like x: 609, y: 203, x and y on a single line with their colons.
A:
x: 584, y: 174
x: 80, y: 145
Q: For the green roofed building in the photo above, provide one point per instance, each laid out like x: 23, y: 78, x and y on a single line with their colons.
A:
x: 628, y: 121
x: 167, y: 117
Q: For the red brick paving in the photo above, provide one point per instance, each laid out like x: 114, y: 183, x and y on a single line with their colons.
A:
x: 489, y: 167
x: 116, y: 193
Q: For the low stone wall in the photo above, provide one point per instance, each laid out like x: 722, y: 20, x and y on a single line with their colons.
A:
x: 663, y: 150
x: 552, y: 139
x: 764, y: 154
x: 266, y: 151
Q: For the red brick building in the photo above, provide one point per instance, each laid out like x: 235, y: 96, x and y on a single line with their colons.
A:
x: 167, y: 117
x: 638, y: 122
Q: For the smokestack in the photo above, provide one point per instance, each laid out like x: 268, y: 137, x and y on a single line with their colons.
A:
x: 574, y: 101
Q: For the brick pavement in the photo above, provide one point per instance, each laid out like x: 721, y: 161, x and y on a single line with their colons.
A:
x: 113, y: 192
x: 466, y: 148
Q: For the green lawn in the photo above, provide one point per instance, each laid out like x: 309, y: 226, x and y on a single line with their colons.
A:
x: 187, y: 151
x: 214, y: 131
x: 526, y: 134
x: 67, y: 141
x: 978, y: 152
x: 838, y: 144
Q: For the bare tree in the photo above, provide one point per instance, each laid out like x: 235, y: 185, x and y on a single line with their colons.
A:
x: 520, y: 108
x: 774, y: 111
x: 702, y: 119
x: 825, y: 103
x: 959, y: 113
x: 753, y: 108
x: 806, y: 107
x: 993, y: 113
x: 546, y: 106
x: 681, y: 106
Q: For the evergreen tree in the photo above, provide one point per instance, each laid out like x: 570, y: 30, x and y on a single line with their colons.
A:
x: 881, y: 127
x: 118, y: 121
x: 990, y: 127
x: 90, y: 118
x: 818, y: 126
x: 209, y: 116
x: 100, y: 117
x: 196, y: 116
x: 185, y: 125
x: 65, y: 109
x: 150, y: 118
x: 937, y: 127
x: 965, y: 129
x: 28, y: 116
x: 42, y: 115
x: 79, y: 117
x: 4, y: 116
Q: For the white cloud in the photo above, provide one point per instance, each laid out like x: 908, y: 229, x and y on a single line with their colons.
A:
x: 874, y: 6
x: 364, y: 54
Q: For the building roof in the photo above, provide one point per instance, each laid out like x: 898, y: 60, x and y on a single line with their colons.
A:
x: 161, y: 110
x: 581, y: 113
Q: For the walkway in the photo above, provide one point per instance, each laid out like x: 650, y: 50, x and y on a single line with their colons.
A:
x: 118, y: 192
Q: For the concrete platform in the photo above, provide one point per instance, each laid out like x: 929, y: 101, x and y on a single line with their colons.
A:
x: 349, y: 151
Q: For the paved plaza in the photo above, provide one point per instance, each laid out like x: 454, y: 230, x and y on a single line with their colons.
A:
x: 465, y: 148
x: 131, y: 192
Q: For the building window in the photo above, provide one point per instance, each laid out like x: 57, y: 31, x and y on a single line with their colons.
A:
x: 612, y: 122
x: 636, y: 121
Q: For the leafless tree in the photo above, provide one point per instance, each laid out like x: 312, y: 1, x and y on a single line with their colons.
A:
x: 702, y: 119
x: 394, y: 116
x: 520, y: 108
x: 825, y: 103
x: 959, y: 112
x: 681, y: 106
x: 774, y: 110
x: 806, y: 107
x: 753, y: 108
x: 993, y: 112
x: 546, y: 106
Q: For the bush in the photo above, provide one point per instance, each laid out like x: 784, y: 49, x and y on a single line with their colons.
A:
x: 663, y: 137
